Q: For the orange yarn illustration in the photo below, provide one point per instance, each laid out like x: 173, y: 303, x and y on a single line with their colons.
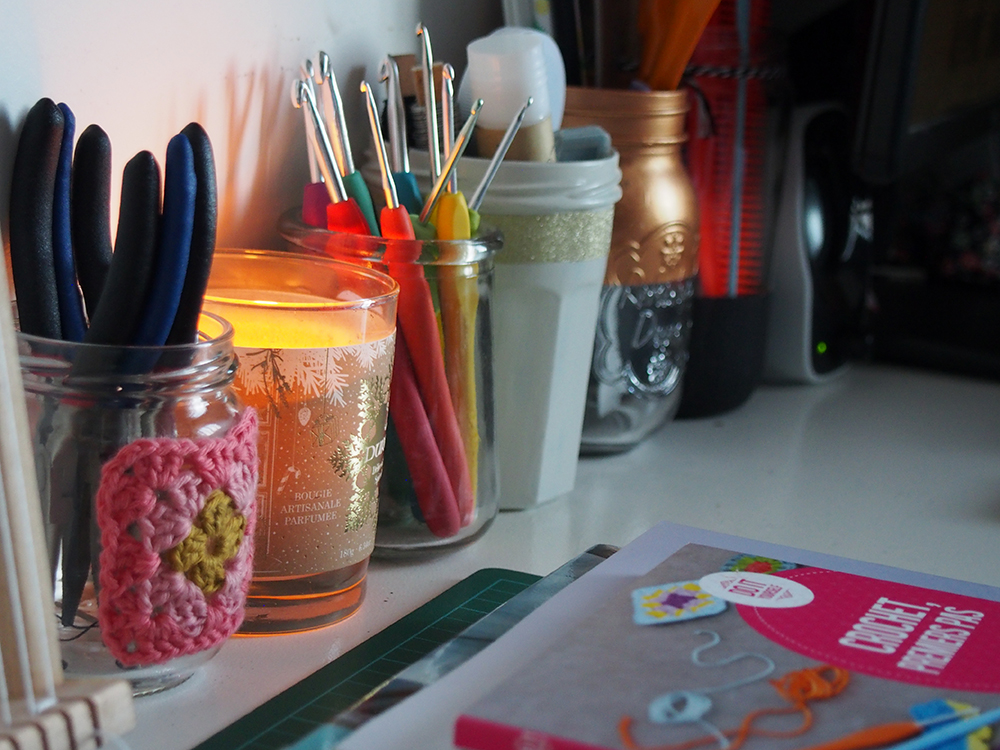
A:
x: 798, y: 688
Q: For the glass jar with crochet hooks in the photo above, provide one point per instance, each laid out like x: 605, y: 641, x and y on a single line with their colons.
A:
x: 439, y: 486
x: 147, y: 471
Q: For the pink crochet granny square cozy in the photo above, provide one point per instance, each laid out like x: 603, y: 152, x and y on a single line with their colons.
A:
x: 177, y: 519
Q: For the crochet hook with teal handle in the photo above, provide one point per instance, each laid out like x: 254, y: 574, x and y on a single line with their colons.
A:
x: 406, y: 182
x: 333, y: 109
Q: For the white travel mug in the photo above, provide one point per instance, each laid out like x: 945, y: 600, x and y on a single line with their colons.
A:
x: 556, y: 219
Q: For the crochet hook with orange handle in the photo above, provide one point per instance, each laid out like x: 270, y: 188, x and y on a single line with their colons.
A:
x: 394, y: 218
x: 418, y: 327
x: 424, y: 466
x: 342, y: 214
x: 888, y: 734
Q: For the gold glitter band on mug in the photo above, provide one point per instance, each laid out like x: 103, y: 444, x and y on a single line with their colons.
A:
x: 554, y: 238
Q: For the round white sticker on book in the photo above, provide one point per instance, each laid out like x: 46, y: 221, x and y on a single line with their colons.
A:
x: 756, y: 589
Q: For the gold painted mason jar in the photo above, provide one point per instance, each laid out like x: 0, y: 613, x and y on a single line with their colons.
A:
x: 644, y: 324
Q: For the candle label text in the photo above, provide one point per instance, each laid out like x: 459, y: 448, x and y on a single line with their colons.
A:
x: 322, y: 438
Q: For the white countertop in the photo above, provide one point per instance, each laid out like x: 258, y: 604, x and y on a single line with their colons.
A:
x: 887, y: 465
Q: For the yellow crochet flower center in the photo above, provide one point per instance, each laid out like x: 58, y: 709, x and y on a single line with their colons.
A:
x: 214, y: 539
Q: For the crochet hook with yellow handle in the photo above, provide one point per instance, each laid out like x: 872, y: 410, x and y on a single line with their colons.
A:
x: 459, y: 293
x: 419, y: 402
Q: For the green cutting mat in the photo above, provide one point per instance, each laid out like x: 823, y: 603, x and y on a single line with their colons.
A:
x: 315, y: 700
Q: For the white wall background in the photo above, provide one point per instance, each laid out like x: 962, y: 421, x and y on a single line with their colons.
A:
x: 143, y: 69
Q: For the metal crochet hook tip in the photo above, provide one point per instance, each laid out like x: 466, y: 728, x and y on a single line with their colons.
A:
x: 464, y: 136
x: 430, y: 100
x: 491, y: 170
x: 388, y: 184
x: 324, y: 69
x: 448, y: 119
x: 304, y: 96
x: 307, y: 70
x: 333, y: 109
x: 389, y: 74
x: 306, y: 74
x: 296, y: 93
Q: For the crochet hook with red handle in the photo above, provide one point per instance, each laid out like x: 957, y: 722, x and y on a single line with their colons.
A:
x: 416, y: 438
x: 342, y: 214
x: 419, y: 326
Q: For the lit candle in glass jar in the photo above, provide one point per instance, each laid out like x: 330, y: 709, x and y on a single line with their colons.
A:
x: 315, y: 343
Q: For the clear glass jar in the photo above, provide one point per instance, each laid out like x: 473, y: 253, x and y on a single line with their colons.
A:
x: 118, y: 436
x: 458, y: 274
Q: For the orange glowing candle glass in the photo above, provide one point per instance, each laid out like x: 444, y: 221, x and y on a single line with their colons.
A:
x: 315, y: 341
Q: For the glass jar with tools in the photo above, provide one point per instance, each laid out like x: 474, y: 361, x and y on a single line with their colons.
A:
x: 643, y: 328
x: 439, y: 484
x: 147, y: 471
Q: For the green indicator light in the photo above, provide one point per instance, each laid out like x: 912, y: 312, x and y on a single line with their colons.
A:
x: 821, y: 347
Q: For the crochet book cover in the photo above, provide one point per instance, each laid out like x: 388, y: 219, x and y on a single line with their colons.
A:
x: 717, y: 649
